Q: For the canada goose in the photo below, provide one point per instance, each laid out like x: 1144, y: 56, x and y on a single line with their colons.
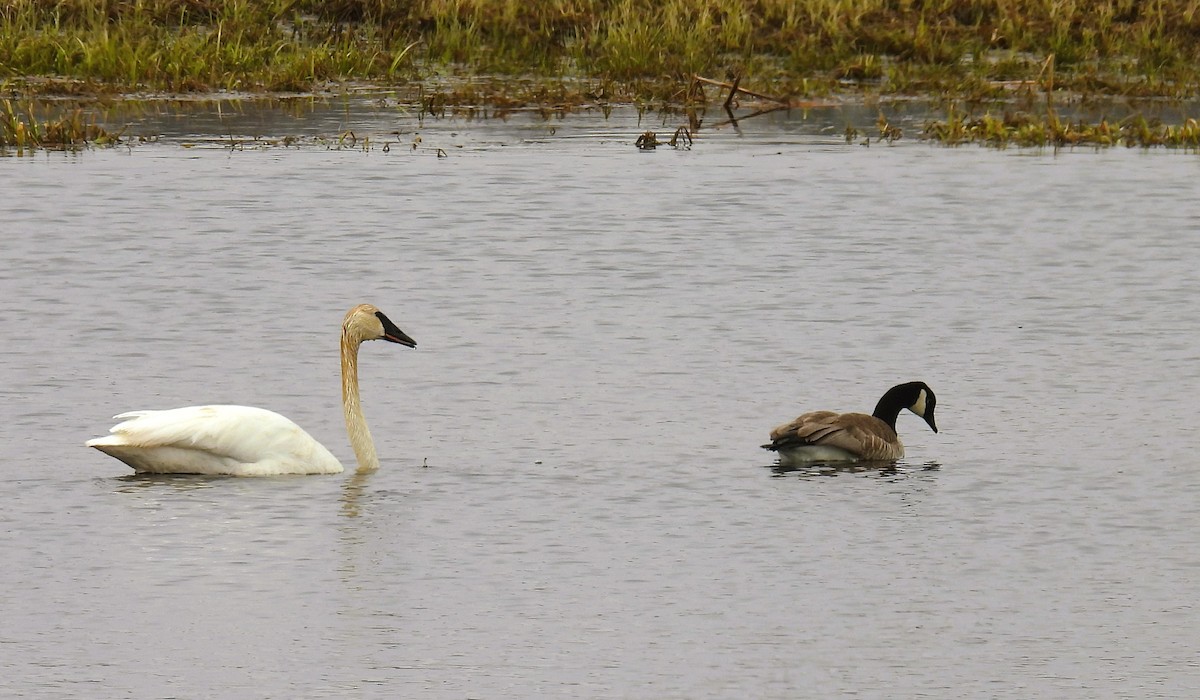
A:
x: 248, y: 441
x: 826, y: 436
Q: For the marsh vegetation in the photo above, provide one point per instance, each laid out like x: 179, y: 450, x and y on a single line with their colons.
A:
x: 1050, y: 130
x: 982, y: 57
x: 22, y: 129
x: 634, y: 49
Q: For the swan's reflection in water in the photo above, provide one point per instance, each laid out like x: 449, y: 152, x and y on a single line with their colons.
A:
x: 134, y: 483
x: 352, y: 492
x: 159, y: 485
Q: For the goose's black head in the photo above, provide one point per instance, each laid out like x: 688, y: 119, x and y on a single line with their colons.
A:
x: 915, y: 396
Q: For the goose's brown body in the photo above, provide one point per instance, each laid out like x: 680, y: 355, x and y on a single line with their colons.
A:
x: 858, y: 435
x: 826, y: 436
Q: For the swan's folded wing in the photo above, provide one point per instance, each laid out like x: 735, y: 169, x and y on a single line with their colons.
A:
x: 241, y: 433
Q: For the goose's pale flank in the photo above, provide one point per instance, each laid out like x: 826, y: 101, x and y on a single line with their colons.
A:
x: 825, y: 436
x: 248, y: 441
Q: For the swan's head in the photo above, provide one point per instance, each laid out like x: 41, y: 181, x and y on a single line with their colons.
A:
x: 365, y: 322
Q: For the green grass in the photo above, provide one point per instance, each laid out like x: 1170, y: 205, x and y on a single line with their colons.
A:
x: 969, y: 48
x: 184, y: 47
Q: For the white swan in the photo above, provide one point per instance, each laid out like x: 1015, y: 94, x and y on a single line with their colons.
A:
x: 248, y: 441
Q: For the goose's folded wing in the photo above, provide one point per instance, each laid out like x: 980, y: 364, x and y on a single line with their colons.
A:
x: 866, y: 436
x: 856, y: 433
x: 807, y: 429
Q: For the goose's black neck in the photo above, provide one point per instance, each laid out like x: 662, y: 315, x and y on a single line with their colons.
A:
x: 888, y: 409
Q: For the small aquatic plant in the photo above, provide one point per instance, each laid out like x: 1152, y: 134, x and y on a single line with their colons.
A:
x: 681, y: 140
x: 22, y: 129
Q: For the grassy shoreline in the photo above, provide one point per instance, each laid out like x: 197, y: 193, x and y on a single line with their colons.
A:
x: 632, y: 51
x: 992, y: 55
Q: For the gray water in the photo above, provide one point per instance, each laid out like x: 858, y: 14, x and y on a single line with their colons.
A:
x: 572, y: 501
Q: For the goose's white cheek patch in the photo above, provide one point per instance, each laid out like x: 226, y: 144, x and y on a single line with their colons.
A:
x: 918, y: 406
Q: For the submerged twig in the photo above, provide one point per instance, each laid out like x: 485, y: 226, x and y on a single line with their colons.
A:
x: 735, y: 87
x: 733, y: 119
x: 681, y: 139
x: 737, y: 79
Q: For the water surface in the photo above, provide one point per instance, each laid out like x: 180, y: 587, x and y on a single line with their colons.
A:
x: 572, y: 501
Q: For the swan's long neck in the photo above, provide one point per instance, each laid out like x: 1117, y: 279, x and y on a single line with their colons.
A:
x: 356, y: 423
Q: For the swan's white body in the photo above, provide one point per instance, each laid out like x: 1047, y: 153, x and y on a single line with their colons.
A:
x: 233, y: 440
x: 248, y: 441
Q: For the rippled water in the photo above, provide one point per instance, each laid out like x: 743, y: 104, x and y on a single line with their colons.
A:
x: 572, y: 501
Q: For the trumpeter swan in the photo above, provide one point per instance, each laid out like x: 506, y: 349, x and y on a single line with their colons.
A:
x: 248, y: 441
x: 826, y: 436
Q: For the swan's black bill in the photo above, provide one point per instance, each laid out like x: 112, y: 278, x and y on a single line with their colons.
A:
x: 392, y: 333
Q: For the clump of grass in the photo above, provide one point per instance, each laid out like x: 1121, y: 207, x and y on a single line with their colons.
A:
x: 1023, y: 129
x: 23, y: 130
